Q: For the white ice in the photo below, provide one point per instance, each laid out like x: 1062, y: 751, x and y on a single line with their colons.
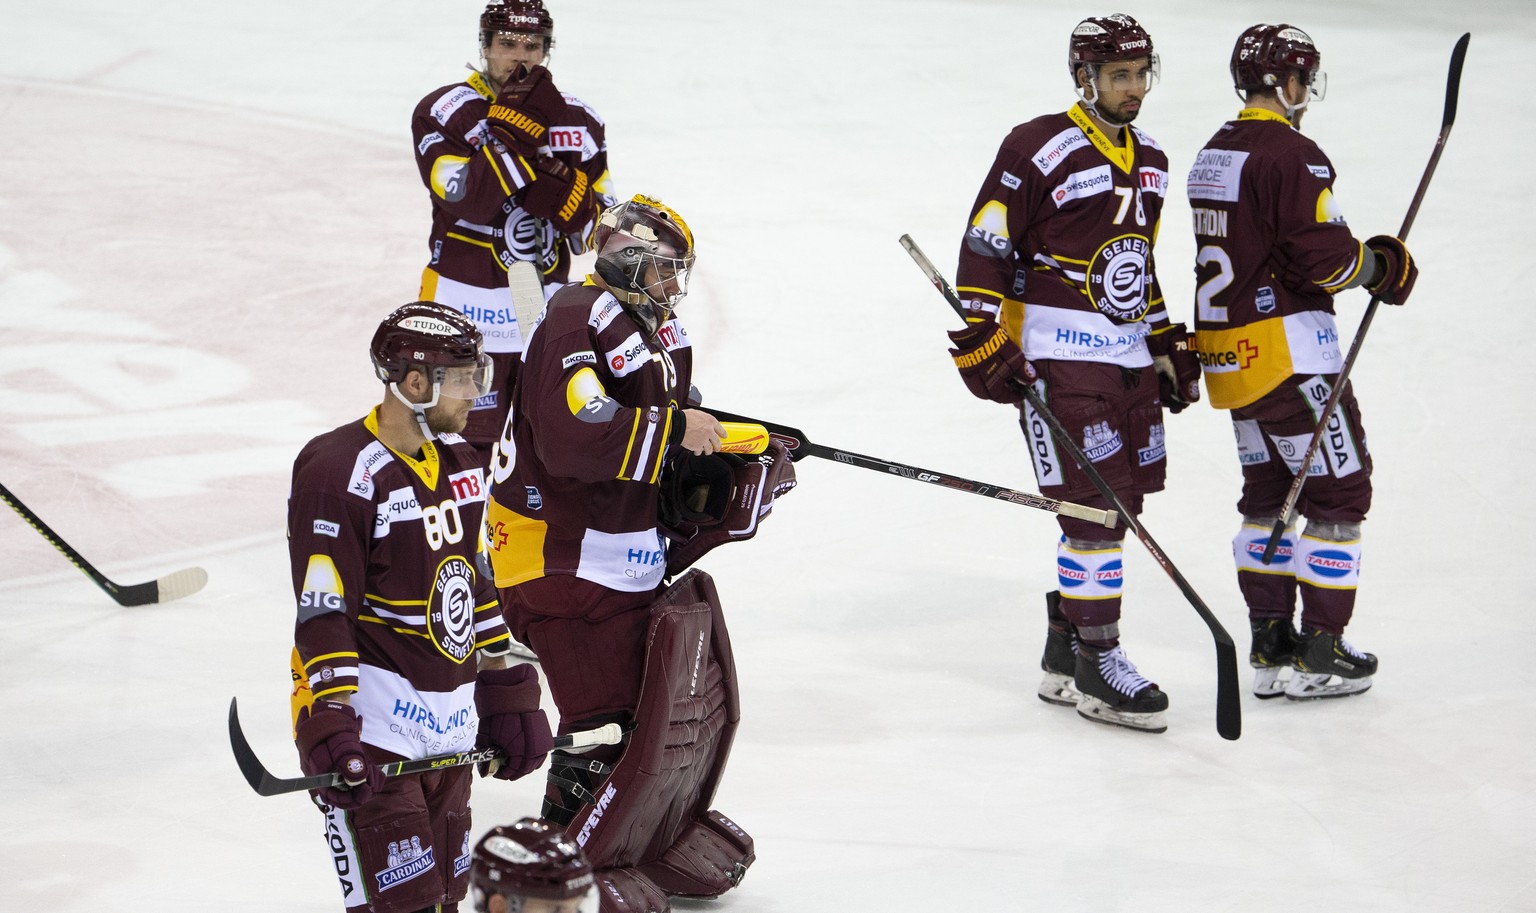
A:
x: 205, y: 208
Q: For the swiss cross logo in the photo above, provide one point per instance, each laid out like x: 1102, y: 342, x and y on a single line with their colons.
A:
x: 1247, y: 352
x: 498, y: 536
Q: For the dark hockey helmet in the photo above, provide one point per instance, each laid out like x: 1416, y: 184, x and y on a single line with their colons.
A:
x: 1266, y: 54
x: 526, y: 16
x: 1102, y: 39
x: 435, y: 337
x: 644, y: 232
x: 530, y: 859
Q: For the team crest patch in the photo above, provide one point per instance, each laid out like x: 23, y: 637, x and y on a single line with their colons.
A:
x: 407, y: 859
x: 451, y: 609
x: 1117, y: 277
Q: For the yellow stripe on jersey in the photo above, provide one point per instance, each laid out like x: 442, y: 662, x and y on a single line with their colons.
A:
x: 477, y: 82
x: 485, y: 150
x: 425, y: 468
x: 428, y: 285
x: 1244, y: 363
x: 390, y: 624
x: 1119, y: 156
x: 516, y: 544
x: 301, y: 697
x: 1012, y: 318
x: 634, y: 432
x: 581, y: 389
x: 468, y: 240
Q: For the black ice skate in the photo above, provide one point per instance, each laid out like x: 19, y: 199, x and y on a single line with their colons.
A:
x: 1274, y: 649
x: 1059, y: 662
x: 1327, y: 666
x: 1115, y: 693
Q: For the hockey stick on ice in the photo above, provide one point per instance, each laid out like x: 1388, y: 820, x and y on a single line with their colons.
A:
x: 172, y: 586
x: 800, y: 446
x: 1325, y: 420
x: 1229, y: 717
x: 267, y: 785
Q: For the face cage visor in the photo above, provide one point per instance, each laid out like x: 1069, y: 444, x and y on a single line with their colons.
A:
x: 670, y: 285
x: 463, y: 381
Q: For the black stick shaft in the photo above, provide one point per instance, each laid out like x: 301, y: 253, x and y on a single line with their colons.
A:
x: 1325, y: 419
x: 74, y: 557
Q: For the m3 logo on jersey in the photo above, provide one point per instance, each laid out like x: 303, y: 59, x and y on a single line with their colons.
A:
x: 1153, y: 180
x: 451, y: 609
x: 1117, y: 277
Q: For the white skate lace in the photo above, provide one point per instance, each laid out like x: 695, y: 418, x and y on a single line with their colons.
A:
x: 1120, y: 673
x: 1350, y: 649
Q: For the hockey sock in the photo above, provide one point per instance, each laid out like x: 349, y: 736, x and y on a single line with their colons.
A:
x: 1090, y: 574
x: 1328, y: 568
x: 1268, y: 589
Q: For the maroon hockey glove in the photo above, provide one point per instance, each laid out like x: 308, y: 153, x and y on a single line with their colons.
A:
x: 510, y: 719
x: 990, y: 363
x: 1177, y: 365
x: 720, y: 498
x: 522, y: 114
x: 329, y: 736
x: 561, y: 195
x: 1399, y: 272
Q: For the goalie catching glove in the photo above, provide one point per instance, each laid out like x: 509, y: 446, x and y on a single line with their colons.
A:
x: 708, y: 501
x: 990, y: 363
x: 1177, y: 365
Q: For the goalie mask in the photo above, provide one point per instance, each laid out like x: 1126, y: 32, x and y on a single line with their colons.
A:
x: 1265, y: 55
x: 530, y: 867
x: 645, y: 255
x: 439, y: 341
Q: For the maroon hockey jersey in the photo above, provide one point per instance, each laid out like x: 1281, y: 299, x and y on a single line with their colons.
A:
x: 391, y: 603
x: 1060, y: 241
x: 1272, y: 249
x: 479, y: 224
x: 575, y: 476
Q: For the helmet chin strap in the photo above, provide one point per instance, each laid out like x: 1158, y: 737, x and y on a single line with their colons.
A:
x: 1290, y: 109
x: 420, y: 409
x: 1093, y: 103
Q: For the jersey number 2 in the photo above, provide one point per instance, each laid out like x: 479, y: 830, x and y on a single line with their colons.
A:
x: 1210, y: 288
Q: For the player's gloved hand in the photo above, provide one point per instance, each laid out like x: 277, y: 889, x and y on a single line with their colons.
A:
x: 1399, y: 272
x: 990, y: 363
x: 561, y: 195
x: 510, y: 719
x: 1177, y: 366
x: 524, y: 111
x: 707, y: 501
x: 329, y: 736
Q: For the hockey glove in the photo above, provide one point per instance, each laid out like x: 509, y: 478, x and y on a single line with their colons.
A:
x: 1177, y: 366
x: 510, y: 719
x: 990, y: 363
x: 1398, y: 271
x: 329, y: 736
x: 522, y: 114
x: 708, y: 501
x: 561, y: 195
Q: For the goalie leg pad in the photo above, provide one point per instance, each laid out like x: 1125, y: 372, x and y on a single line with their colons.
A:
x: 654, y: 806
x: 628, y: 891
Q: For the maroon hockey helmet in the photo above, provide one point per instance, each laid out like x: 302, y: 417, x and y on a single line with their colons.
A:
x: 1266, y: 54
x: 526, y: 16
x: 530, y: 859
x: 1102, y: 39
x: 433, y: 336
x: 637, y: 233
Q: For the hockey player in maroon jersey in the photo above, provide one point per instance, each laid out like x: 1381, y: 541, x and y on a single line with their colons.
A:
x: 1272, y: 251
x: 399, y: 635
x: 516, y: 172
x: 531, y: 867
x: 1057, y: 270
x: 601, y: 419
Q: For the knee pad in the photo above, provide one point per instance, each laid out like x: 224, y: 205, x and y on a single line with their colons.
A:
x: 651, y: 813
x: 1330, y: 564
x: 1089, y: 569
x: 1248, y: 548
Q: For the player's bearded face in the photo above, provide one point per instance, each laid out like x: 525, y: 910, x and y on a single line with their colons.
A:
x: 509, y: 50
x: 1121, y: 86
x: 449, y: 416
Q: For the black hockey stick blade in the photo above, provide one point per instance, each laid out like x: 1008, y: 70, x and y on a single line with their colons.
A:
x: 800, y: 447
x: 1288, y: 509
x: 1229, y: 715
x: 265, y: 784
x: 172, y: 586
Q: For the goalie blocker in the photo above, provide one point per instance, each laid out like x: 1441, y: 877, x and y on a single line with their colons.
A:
x: 645, y: 822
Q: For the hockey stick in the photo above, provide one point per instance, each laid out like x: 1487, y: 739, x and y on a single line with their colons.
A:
x: 1325, y: 420
x: 184, y: 582
x: 1229, y: 715
x: 800, y: 446
x: 527, y: 295
x: 267, y: 785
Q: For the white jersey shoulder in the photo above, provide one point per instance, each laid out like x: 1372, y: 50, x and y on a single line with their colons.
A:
x: 1146, y: 140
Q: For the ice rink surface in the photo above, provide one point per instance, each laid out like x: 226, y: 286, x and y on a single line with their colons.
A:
x: 206, y: 208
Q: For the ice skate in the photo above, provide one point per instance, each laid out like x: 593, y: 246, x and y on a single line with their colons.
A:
x: 1113, y: 692
x: 1059, y: 662
x: 1327, y: 666
x: 1274, y: 649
